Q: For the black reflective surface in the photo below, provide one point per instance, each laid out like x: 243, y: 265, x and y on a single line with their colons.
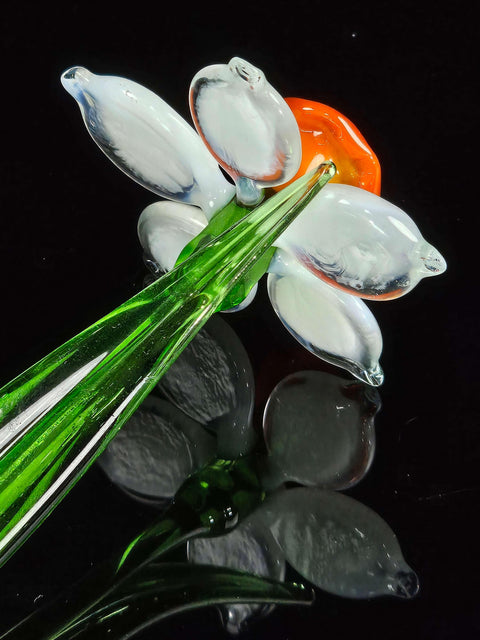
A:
x: 69, y: 253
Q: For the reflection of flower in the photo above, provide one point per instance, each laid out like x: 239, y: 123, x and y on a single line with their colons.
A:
x: 318, y: 432
x: 347, y: 241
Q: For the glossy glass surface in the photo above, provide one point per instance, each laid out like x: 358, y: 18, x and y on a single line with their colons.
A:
x: 329, y: 135
x: 147, y: 139
x: 244, y: 290
x: 319, y: 430
x: 212, y: 382
x: 164, y: 228
x: 209, y: 502
x: 247, y: 126
x: 403, y: 74
x: 225, y: 499
x: 250, y: 548
x: 332, y: 324
x: 202, y: 407
x: 339, y: 544
x: 59, y: 415
x: 362, y: 244
x: 165, y: 590
x: 156, y: 450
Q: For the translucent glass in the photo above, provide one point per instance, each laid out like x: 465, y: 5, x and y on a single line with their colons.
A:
x: 170, y: 231
x: 164, y: 228
x: 243, y: 292
x: 250, y: 548
x: 155, y: 451
x: 247, y: 125
x: 249, y: 298
x: 169, y: 589
x: 332, y: 324
x: 319, y: 430
x: 339, y: 544
x: 59, y: 415
x: 210, y: 502
x: 212, y: 382
x: 147, y: 139
x: 328, y: 135
x: 361, y: 243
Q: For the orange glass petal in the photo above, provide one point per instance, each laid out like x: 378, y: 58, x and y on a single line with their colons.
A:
x: 328, y: 135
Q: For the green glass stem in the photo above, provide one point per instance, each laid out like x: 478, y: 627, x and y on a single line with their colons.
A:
x: 221, y: 221
x: 60, y: 414
x: 225, y: 218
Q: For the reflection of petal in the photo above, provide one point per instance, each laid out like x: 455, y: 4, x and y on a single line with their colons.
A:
x: 361, y: 243
x: 247, y: 125
x: 250, y: 548
x: 156, y: 450
x: 212, y: 382
x: 333, y: 325
x: 147, y: 139
x: 338, y: 544
x: 319, y: 430
x: 164, y: 228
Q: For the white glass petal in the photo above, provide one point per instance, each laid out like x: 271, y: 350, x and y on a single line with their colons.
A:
x: 147, y: 139
x: 164, y: 228
x: 250, y: 548
x: 319, y: 430
x: 155, y: 451
x: 212, y: 382
x: 338, y: 544
x: 247, y: 125
x: 361, y: 243
x: 334, y: 325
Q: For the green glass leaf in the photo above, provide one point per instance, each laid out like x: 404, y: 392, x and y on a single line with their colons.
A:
x: 59, y: 415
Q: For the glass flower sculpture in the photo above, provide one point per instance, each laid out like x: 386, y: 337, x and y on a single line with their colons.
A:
x: 319, y: 432
x: 324, y: 247
x: 348, y: 244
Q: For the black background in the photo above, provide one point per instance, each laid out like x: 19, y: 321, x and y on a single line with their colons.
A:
x: 405, y: 74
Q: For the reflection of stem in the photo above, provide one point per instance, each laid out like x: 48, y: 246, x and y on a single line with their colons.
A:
x: 59, y: 415
x: 79, y: 600
x: 166, y: 589
x: 211, y: 501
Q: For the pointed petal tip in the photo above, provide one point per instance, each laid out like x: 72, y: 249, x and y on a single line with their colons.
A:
x: 246, y: 71
x: 75, y: 77
x: 432, y: 262
x: 373, y: 376
x: 406, y: 584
